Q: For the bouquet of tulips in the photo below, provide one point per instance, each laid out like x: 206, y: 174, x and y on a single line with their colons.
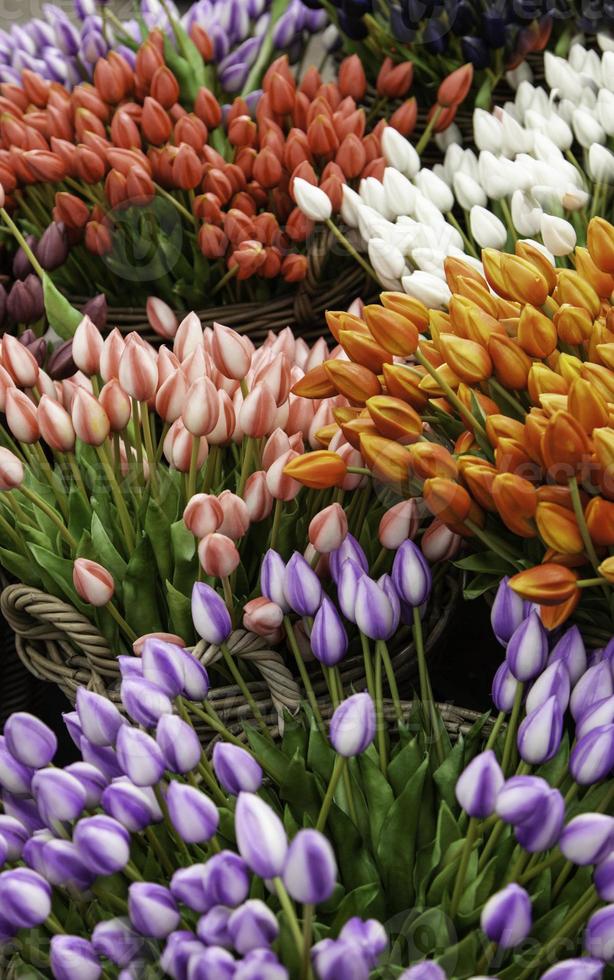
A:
x: 358, y: 850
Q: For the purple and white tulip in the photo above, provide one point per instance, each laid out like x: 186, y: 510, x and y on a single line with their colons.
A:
x: 209, y: 613
x: 193, y: 815
x: 310, y: 871
x: 506, y: 917
x: 352, y: 727
x: 236, y: 769
x: 478, y: 786
x: 261, y: 837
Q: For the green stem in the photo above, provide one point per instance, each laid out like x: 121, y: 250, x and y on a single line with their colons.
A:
x: 138, y: 441
x: 26, y: 248
x: 459, y: 884
x: 300, y: 663
x: 50, y: 513
x: 193, y: 467
x: 366, y: 653
x: 351, y: 250
x: 246, y: 465
x: 279, y: 506
x: 173, y: 200
x: 510, y: 735
x: 226, y: 278
x: 379, y: 712
x: 149, y: 446
x: 337, y: 773
x: 424, y: 139
x: 121, y: 622
x: 290, y: 913
x: 452, y: 397
x: 120, y: 503
x: 308, y: 911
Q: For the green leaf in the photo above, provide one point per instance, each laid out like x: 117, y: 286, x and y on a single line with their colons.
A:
x: 299, y: 788
x: 270, y: 757
x: 295, y: 737
x: 78, y: 513
x: 106, y: 552
x: 460, y: 960
x: 479, y: 585
x: 158, y: 530
x: 365, y: 902
x: 356, y: 865
x: 378, y: 794
x: 396, y: 846
x: 62, y: 316
x: 60, y: 570
x: 141, y: 597
x: 320, y: 755
x: 21, y: 567
x: 180, y: 612
x: 485, y: 561
x: 405, y: 764
x: 184, y: 555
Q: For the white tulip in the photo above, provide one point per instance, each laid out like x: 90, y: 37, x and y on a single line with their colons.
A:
x: 370, y: 222
x: 433, y: 292
x: 491, y: 178
x: 486, y: 228
x: 469, y: 164
x: 560, y: 75
x: 588, y: 97
x: 526, y: 213
x: 592, y: 67
x: 450, y: 135
x: 387, y: 260
x: 544, y: 146
x: 349, y: 206
x: 606, y: 43
x: 575, y: 198
x: 607, y: 69
x: 605, y: 110
x: 559, y: 130
x: 515, y: 138
x: 558, y: 235
x: 468, y: 192
x: 399, y: 153
x: 517, y: 76
x: 524, y: 97
x: 426, y: 212
x: 577, y: 56
x: 588, y: 130
x: 487, y: 131
x: 435, y: 189
x: 373, y: 194
x: 601, y: 164
x: 452, y: 162
x: 429, y: 260
x: 400, y: 192
x: 312, y: 201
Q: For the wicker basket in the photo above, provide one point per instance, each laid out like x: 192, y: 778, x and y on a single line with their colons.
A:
x: 301, y: 308
x: 59, y: 645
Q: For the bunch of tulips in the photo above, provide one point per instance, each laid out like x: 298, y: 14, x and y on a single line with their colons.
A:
x: 320, y: 856
x: 497, y: 413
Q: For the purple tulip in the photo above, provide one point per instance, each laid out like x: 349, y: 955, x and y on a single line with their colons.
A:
x: 252, y: 926
x: 212, y: 928
x: 236, y: 769
x: 368, y: 935
x: 335, y: 959
x: 195, y: 678
x: 261, y: 837
x: 579, y: 969
x: 59, y: 796
x: 14, y: 777
x: 553, y: 682
x: 592, y: 758
x: 260, y: 964
x: 210, y: 615
x: 178, y: 743
x: 272, y: 579
x: 570, y: 649
x: 426, y: 970
x: 599, y: 935
x: 33, y: 850
x: 102, y: 757
x: 594, y: 685
x: 600, y: 714
x: 352, y: 727
x: 540, y: 733
x: 152, y: 909
x: 234, y: 78
x: 26, y: 811
x: 310, y: 871
x: 329, y: 640
x: 506, y: 917
x: 376, y: 617
x: 603, y: 878
x: 187, y: 887
x: 29, y: 740
x: 193, y: 815
x: 520, y: 798
x: 130, y: 666
x: 350, y: 550
x: 21, y: 264
x: 504, y: 688
x: 527, y: 649
x: 349, y: 576
x: 478, y: 786
x: 302, y: 586
x: 25, y: 898
x: 508, y: 612
x: 92, y: 779
x: 163, y: 666
x: 139, y: 756
x: 60, y: 863
x: 226, y: 879
x: 411, y: 575
x: 134, y: 806
x: 587, y: 839
x: 180, y: 946
x: 212, y: 962
x: 104, y: 843
x: 117, y: 940
x: 52, y: 249
x: 97, y: 309
x: 99, y: 719
x: 14, y: 835
x: 74, y: 958
x: 144, y: 702
x: 73, y: 725
x: 542, y: 831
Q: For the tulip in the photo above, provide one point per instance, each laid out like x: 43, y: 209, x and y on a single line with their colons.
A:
x: 262, y: 616
x: 225, y: 880
x: 11, y: 470
x: 212, y: 928
x: 14, y: 777
x: 478, y: 785
x: 302, y: 587
x: 235, y: 521
x: 236, y: 770
x: 138, y: 371
x: 377, y: 610
x: 592, y: 758
x: 548, y: 584
x: 272, y: 579
x: 99, y: 718
x: 29, y: 740
x: 411, y: 575
x: 339, y: 960
x: 59, y: 796
x: 352, y: 726
x: 103, y: 843
x: 261, y: 837
x: 92, y: 780
x: 200, y: 409
x: 26, y: 898
x: 19, y: 362
x: 310, y: 871
x: 553, y: 682
x: 507, y: 612
x: 257, y: 497
x: 252, y: 926
x: 231, y: 352
x: 139, y: 756
x: 116, y: 939
x: 93, y: 583
x: 594, y: 685
x: 143, y: 701
x: 527, y: 649
x: 163, y: 665
x: 328, y: 529
x: 90, y: 421
x: 152, y: 909
x: 570, y: 651
x: 329, y: 640
x: 73, y: 958
x: 179, y: 744
x: 161, y: 317
x: 520, y: 798
x: 55, y: 425
x: 133, y: 806
x: 87, y: 347
x: 14, y: 835
x: 578, y: 969
x: 193, y: 815
x: 600, y: 714
x: 398, y: 524
x: 587, y: 839
x: 486, y: 228
x: 21, y: 416
x: 211, y: 618
x: 506, y: 917
x: 539, y: 735
x: 504, y: 688
x: 599, y: 934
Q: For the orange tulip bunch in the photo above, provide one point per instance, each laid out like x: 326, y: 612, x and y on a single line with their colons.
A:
x: 499, y: 412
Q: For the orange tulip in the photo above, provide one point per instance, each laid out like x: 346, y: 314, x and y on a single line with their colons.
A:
x: 465, y: 443
x: 573, y: 324
x: 516, y: 501
x: 315, y: 384
x: 318, y: 470
x: 429, y: 459
x: 413, y: 309
x: 606, y: 354
x: 603, y: 440
x: 600, y: 240
x: 478, y: 294
x: 353, y: 429
x: 523, y: 280
x: 511, y: 364
x: 599, y: 517
x: 565, y: 445
x: 554, y: 616
x: 456, y: 269
x: 404, y: 382
x: 536, y: 333
x: 549, y: 493
x: 345, y: 413
x: 607, y: 570
x: 469, y: 361
x: 469, y: 396
x: 558, y: 528
x: 364, y: 350
x: 481, y: 325
x: 542, y: 380
x: 395, y: 419
x: 479, y: 478
x: 491, y: 260
x: 355, y: 382
x: 534, y: 428
x: 536, y: 257
x: 503, y: 427
x: 573, y: 288
x: 450, y: 502
x: 569, y: 367
x: 339, y: 320
x: 602, y: 379
x: 512, y: 457
x: 602, y: 282
x: 548, y: 584
x: 393, y: 331
x: 387, y: 460
x: 326, y: 433
x: 587, y: 406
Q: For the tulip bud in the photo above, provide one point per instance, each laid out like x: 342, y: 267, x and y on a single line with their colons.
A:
x: 302, y: 587
x: 29, y: 741
x: 231, y: 352
x: 600, y: 241
x: 506, y: 917
x: 236, y: 770
x: 520, y: 797
x: 539, y: 735
x: 261, y: 837
x: 210, y: 616
x: 21, y: 416
x: 478, y: 785
x: 352, y: 727
x: 73, y: 958
x: 201, y: 407
x: 87, y: 347
x: 193, y: 815
x: 11, y: 470
x: 55, y: 425
x: 152, y: 909
x: 58, y: 795
x: 218, y: 555
x: 571, y: 652
x: 115, y: 939
x: 93, y: 583
x: 138, y: 371
x: 133, y: 806
x: 328, y: 529
x: 252, y: 926
x: 398, y: 524
x: 179, y: 743
x: 548, y: 584
x: 89, y: 419
x: 527, y: 649
x: 203, y: 515
x: 587, y: 839
x: 310, y: 871
x: 103, y: 843
x: 99, y: 718
x: 116, y: 403
x: 26, y: 898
